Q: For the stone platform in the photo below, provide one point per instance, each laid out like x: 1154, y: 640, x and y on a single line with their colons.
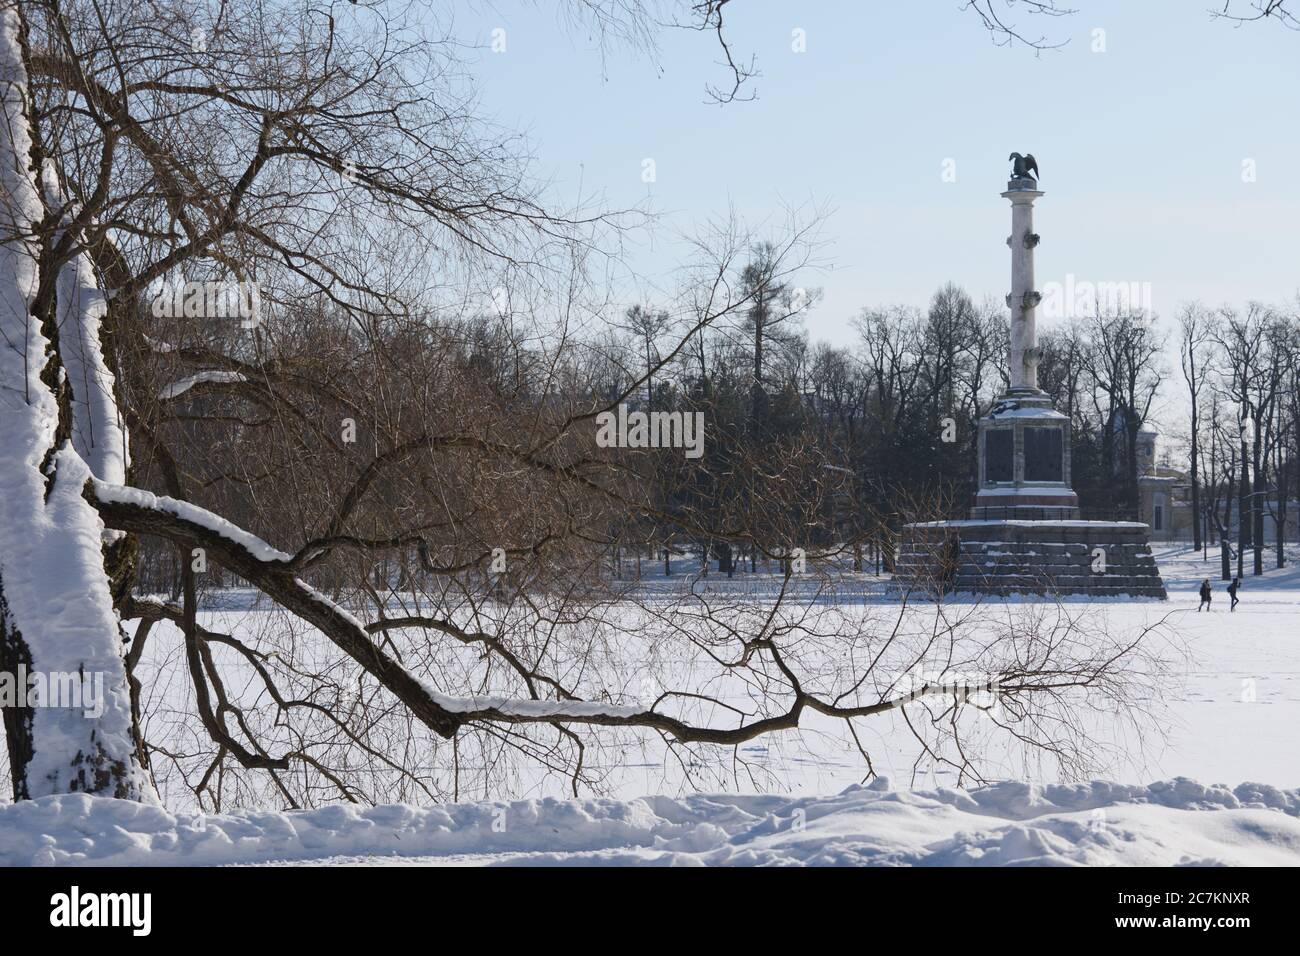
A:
x: 1009, y: 556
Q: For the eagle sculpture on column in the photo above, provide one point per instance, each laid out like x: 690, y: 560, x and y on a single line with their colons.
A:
x: 1023, y: 166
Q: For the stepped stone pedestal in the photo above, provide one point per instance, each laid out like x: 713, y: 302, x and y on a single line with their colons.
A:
x: 1011, y: 556
x: 1024, y: 534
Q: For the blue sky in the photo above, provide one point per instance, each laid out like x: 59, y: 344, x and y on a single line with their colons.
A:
x: 1141, y: 146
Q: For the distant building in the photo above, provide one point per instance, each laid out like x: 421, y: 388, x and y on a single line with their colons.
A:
x: 1164, y: 493
x: 1165, y: 499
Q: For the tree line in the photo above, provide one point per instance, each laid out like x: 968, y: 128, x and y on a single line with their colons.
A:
x: 884, y: 429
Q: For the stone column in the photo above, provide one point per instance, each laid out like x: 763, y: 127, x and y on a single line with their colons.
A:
x: 1024, y: 298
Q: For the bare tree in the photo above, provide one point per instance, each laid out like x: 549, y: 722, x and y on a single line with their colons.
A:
x: 1197, y: 332
x: 1249, y: 11
x: 1256, y: 356
x: 1222, y: 474
x: 1124, y: 364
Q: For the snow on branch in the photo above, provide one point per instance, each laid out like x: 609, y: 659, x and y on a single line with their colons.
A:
x: 210, y: 377
x: 274, y: 572
x: 192, y: 514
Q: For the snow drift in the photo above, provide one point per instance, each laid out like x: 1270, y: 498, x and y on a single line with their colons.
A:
x: 1179, y: 822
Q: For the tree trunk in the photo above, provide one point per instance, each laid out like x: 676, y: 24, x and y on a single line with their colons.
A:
x: 1131, y: 496
x: 758, y: 398
x: 1225, y: 531
x: 1295, y: 431
x: 1280, y: 530
x: 1280, y: 486
x: 1196, y: 487
x: 1257, y: 507
x: 58, y: 426
x: 1243, y: 511
x: 725, y: 565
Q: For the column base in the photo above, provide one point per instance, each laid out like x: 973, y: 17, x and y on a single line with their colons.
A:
x: 1025, y: 503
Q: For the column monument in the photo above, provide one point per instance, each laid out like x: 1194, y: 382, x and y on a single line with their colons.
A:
x: 1025, y: 533
x: 1024, y: 298
x: 1024, y: 443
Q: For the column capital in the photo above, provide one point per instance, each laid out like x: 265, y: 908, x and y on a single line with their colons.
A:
x: 1018, y: 193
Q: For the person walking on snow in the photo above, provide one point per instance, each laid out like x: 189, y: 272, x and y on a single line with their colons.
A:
x: 1232, y: 592
x: 1205, y: 596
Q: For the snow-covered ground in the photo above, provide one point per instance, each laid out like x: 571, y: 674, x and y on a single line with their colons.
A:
x: 1237, y: 715
x: 1175, y: 823
x: 1232, y: 724
x: 1232, y: 713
